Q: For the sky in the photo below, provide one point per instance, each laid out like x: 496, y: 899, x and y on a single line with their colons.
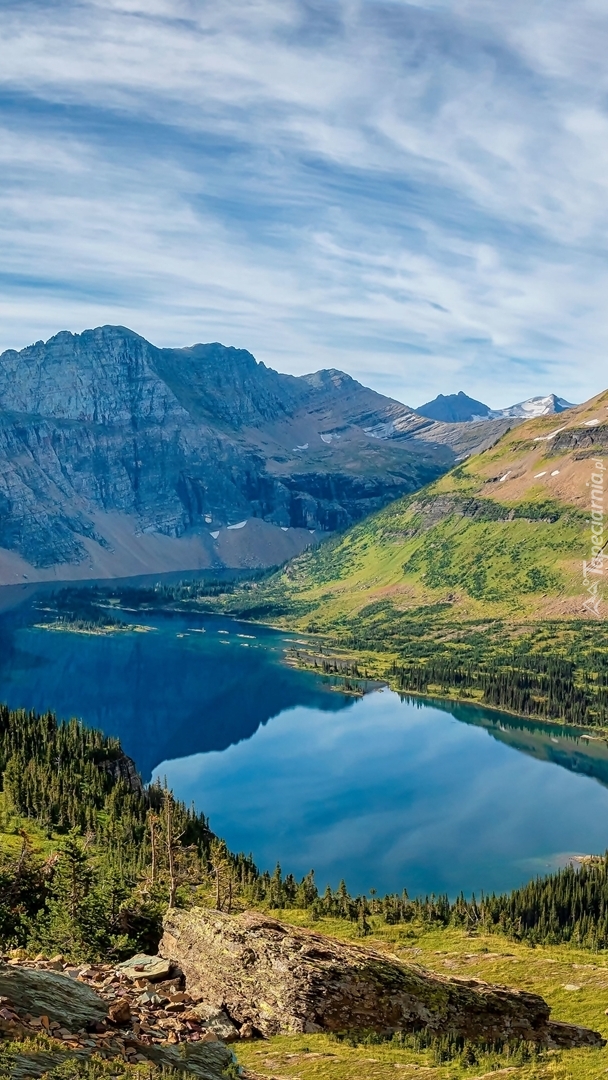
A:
x: 416, y: 193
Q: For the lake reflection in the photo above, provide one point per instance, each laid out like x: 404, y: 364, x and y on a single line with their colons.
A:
x: 188, y: 685
x: 380, y: 791
x: 395, y: 793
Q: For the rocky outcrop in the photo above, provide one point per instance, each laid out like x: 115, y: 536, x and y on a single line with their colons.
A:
x: 112, y: 451
x: 584, y: 441
x: 126, y: 1020
x: 124, y: 768
x: 45, y: 993
x: 279, y: 978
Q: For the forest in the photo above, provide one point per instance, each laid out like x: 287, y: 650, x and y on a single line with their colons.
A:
x: 91, y: 859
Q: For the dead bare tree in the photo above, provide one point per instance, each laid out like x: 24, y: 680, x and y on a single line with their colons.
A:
x: 221, y: 870
x: 152, y: 823
x: 170, y: 841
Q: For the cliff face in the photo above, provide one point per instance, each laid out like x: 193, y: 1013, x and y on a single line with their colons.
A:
x: 111, y: 448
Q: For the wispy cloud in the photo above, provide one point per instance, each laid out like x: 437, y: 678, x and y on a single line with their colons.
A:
x: 413, y: 192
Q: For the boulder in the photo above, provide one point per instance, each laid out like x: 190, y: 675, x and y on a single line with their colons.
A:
x: 279, y: 978
x: 46, y: 993
x: 141, y: 966
x: 216, y: 1021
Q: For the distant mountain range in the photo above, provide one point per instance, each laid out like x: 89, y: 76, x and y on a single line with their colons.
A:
x: 459, y: 408
x: 118, y: 458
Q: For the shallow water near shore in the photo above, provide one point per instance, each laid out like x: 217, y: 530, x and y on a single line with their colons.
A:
x: 382, y: 791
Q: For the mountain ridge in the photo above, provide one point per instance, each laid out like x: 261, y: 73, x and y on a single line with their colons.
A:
x: 460, y: 408
x: 119, y: 458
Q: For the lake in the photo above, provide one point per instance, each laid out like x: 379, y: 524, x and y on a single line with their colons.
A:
x: 380, y: 791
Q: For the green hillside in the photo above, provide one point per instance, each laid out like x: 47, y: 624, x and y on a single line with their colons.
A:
x: 503, y: 535
x: 474, y: 586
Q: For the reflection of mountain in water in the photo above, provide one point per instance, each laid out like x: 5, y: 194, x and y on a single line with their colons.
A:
x: 546, y: 742
x: 163, y: 696
x: 173, y: 692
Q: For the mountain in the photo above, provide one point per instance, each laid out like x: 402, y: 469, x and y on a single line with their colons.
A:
x: 118, y: 458
x: 534, y: 406
x: 459, y: 408
x: 502, y: 536
x: 454, y: 408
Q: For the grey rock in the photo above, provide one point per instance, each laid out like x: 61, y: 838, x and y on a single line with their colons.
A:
x: 45, y: 993
x: 142, y: 966
x: 280, y: 978
x: 217, y: 1021
x: 150, y: 997
x: 124, y: 768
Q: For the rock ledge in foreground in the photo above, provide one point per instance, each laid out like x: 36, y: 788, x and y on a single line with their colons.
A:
x: 280, y: 978
x: 51, y: 994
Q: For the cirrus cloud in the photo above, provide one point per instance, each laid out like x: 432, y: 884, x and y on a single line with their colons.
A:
x: 354, y: 183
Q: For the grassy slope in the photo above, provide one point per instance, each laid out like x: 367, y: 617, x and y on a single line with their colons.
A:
x: 544, y: 970
x: 490, y: 539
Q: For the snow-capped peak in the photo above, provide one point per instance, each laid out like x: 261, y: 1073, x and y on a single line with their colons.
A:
x: 534, y: 406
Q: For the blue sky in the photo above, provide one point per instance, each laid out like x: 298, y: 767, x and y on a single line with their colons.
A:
x: 413, y: 192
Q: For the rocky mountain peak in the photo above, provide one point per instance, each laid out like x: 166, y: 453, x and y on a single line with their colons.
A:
x: 223, y: 383
x: 454, y: 408
x: 330, y: 379
x: 535, y: 406
x: 109, y: 443
x: 103, y: 376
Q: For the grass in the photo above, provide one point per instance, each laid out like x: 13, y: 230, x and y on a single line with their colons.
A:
x: 17, y: 1059
x: 12, y: 827
x: 545, y: 970
x: 473, y: 567
x: 502, y: 536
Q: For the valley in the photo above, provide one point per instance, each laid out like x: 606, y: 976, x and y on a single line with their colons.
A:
x: 502, y: 536
x: 408, y: 719
x: 474, y: 588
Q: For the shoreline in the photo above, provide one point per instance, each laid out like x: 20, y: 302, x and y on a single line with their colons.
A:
x: 588, y: 732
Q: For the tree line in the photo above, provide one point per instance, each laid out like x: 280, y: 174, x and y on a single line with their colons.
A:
x: 91, y: 857
x: 534, y: 685
x: 91, y: 860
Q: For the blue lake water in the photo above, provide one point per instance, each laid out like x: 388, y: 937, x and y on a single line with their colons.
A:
x: 380, y: 791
